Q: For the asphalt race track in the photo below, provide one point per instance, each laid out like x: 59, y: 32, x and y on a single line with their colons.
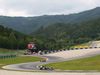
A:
x: 32, y: 66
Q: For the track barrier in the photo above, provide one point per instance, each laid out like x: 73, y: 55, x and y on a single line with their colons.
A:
x: 7, y: 56
x: 76, y: 48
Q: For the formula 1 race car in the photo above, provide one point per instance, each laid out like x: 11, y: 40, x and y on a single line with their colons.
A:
x: 43, y: 60
x: 45, y: 68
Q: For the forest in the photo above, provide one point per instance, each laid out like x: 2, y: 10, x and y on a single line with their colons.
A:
x: 71, y: 34
x: 11, y: 39
x: 55, y: 36
x: 29, y: 24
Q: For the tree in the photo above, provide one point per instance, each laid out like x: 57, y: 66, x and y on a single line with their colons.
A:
x: 1, y: 41
x: 21, y: 44
x: 13, y: 41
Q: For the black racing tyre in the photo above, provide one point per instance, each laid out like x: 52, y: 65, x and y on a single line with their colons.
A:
x: 41, y: 69
x: 52, y: 69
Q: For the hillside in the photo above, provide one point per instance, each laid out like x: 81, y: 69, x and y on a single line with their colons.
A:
x: 29, y: 24
x: 82, y: 31
x: 14, y: 40
x: 11, y: 39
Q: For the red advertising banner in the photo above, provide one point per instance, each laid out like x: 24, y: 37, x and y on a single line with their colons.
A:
x: 30, y: 46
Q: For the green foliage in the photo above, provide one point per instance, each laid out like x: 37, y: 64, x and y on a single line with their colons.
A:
x: 53, y: 33
x: 29, y: 24
x: 17, y: 40
x: 70, y: 34
x: 56, y: 36
x: 11, y: 39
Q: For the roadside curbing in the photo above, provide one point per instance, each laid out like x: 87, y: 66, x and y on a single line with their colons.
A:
x: 46, y: 60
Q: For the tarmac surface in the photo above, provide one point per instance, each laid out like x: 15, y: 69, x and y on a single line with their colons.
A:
x: 32, y: 66
x: 53, y: 57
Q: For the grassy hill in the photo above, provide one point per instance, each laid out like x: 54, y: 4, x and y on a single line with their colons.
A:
x: 90, y: 63
x: 11, y: 39
x: 71, y: 34
x: 53, y: 32
x: 89, y: 29
x: 29, y: 24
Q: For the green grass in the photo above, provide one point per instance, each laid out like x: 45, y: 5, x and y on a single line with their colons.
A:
x: 90, y: 63
x: 19, y: 60
x: 19, y: 52
x: 84, y: 44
